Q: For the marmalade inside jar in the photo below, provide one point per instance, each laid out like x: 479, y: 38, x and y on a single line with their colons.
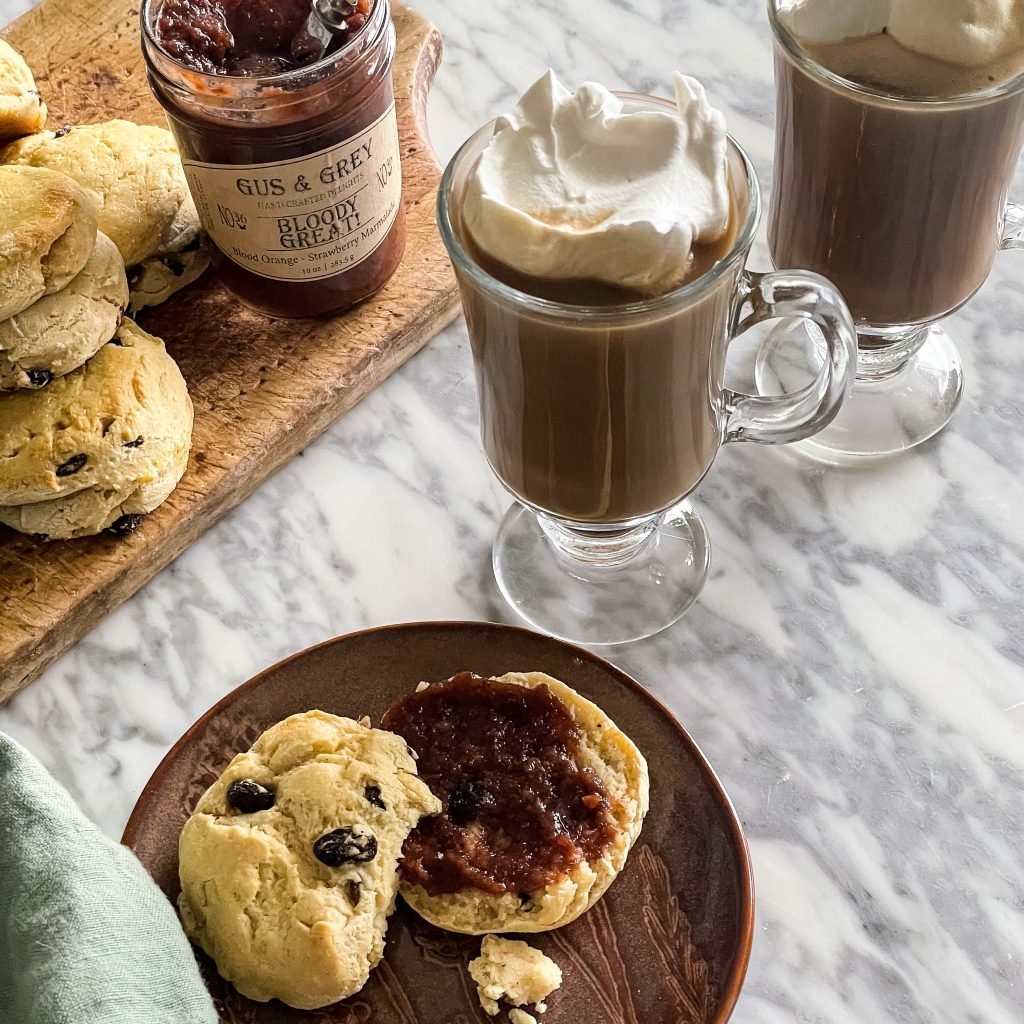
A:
x: 519, y: 813
x: 245, y: 37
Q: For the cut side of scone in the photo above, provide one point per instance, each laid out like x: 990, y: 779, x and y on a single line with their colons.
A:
x: 543, y: 797
x: 288, y: 864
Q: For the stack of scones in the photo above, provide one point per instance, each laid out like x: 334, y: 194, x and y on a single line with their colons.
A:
x: 96, y: 223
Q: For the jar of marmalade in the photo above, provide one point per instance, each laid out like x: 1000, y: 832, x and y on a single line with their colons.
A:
x: 294, y: 168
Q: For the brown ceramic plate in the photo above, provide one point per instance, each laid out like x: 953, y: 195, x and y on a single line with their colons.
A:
x: 668, y: 944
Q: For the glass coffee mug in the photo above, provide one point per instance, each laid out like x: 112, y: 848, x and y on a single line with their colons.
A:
x: 901, y: 202
x: 601, y: 419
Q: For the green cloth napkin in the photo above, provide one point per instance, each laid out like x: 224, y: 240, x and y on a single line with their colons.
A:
x: 86, y: 937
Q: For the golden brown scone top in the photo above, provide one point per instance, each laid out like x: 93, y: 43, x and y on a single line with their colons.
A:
x: 133, y: 172
x: 47, y: 232
x: 22, y: 110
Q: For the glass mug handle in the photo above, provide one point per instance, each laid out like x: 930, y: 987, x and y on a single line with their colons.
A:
x: 786, y: 294
x: 1013, y: 227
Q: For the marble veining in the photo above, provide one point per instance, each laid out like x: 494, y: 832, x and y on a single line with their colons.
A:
x: 854, y: 669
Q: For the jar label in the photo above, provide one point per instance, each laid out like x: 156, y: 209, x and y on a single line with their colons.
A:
x: 314, y: 216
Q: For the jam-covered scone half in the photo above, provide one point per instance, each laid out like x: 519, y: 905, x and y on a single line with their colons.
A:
x: 542, y: 794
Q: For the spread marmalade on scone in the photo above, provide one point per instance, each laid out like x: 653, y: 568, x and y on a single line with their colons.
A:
x: 519, y: 812
x: 543, y: 797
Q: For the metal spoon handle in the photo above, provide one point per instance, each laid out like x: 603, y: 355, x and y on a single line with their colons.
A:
x: 326, y: 19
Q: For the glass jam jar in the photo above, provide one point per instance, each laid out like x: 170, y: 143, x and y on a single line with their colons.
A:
x: 295, y: 174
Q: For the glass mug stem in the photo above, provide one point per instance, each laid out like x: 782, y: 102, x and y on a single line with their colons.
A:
x: 598, y: 547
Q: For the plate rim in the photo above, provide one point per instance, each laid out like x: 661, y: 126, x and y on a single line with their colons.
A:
x: 734, y: 983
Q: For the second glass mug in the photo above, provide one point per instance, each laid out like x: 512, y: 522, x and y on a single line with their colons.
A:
x: 601, y: 419
x: 901, y: 201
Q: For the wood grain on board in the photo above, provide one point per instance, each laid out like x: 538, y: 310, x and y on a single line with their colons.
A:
x: 263, y: 389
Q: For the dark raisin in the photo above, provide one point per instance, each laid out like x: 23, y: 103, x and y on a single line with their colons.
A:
x: 137, y: 443
x: 176, y: 267
x: 467, y: 800
x: 62, y: 131
x: 350, y: 844
x: 126, y: 525
x: 372, y: 794
x: 249, y: 797
x: 353, y: 890
x: 72, y: 465
x: 524, y: 898
x: 39, y: 378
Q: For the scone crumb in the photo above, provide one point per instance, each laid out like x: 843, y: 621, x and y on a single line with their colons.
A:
x: 518, y: 1016
x: 365, y: 721
x: 420, y: 687
x: 514, y: 973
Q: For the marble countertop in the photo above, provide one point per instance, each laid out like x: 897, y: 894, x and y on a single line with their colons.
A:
x: 854, y: 669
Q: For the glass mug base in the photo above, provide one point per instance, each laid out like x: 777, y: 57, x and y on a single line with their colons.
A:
x: 891, y: 409
x: 571, y: 584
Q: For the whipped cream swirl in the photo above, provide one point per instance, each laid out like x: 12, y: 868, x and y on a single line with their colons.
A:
x: 969, y: 33
x: 570, y: 186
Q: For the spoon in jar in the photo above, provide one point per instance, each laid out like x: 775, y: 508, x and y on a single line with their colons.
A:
x: 327, y: 20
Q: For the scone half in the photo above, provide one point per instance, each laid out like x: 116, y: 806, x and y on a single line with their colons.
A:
x: 451, y: 844
x: 48, y: 226
x: 59, y: 332
x: 288, y: 864
x: 120, y: 420
x: 98, y: 509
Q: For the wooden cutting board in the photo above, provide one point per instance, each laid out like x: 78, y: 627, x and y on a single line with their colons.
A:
x: 263, y: 389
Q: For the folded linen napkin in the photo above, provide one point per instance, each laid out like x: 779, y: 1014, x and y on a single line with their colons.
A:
x: 86, y: 937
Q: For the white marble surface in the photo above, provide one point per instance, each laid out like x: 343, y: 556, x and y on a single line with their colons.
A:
x: 854, y: 669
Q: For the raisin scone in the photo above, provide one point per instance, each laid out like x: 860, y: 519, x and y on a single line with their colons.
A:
x: 97, y: 509
x: 543, y: 798
x: 185, y: 256
x: 134, y: 172
x: 48, y: 228
x: 59, y: 332
x: 121, y: 420
x: 22, y: 110
x: 288, y: 864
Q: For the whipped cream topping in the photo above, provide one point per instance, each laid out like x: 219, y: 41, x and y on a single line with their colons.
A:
x: 970, y: 33
x: 570, y: 186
